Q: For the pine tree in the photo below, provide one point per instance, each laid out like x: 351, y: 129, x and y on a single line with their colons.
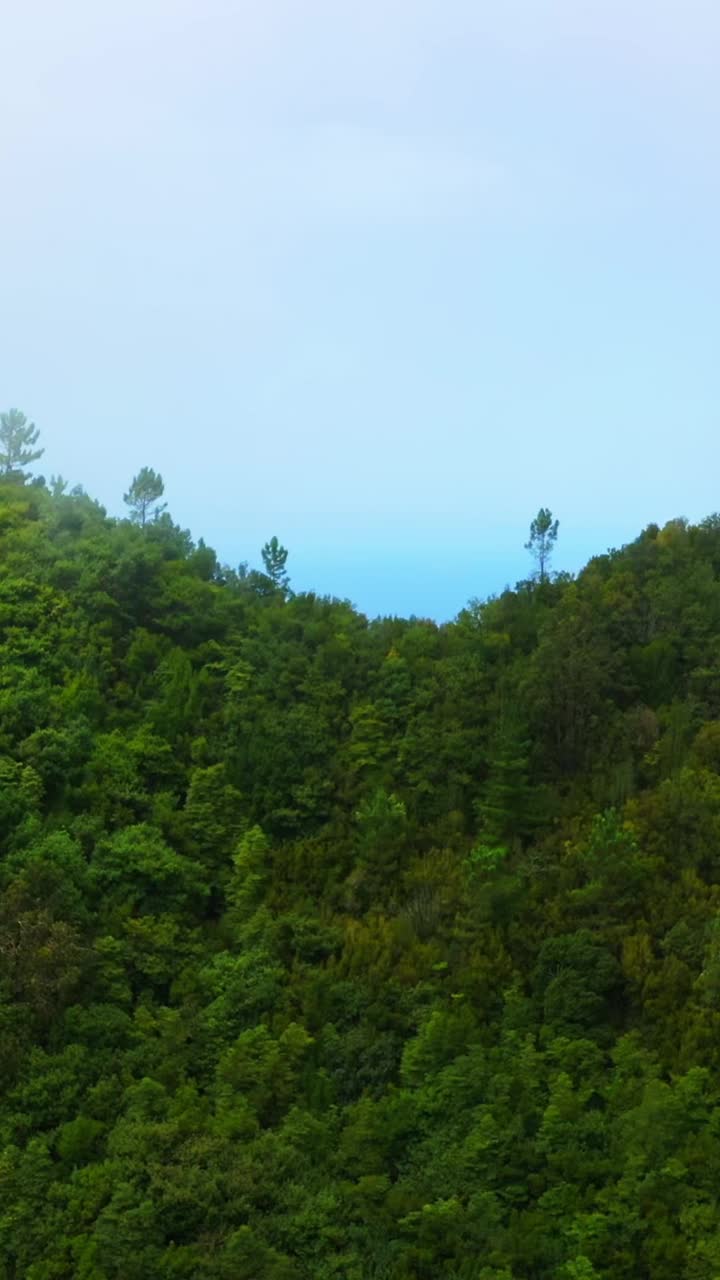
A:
x: 274, y: 558
x: 543, y: 535
x: 17, y: 437
x: 143, y: 496
x: 507, y: 807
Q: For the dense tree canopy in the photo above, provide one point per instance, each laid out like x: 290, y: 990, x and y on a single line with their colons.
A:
x: 334, y: 949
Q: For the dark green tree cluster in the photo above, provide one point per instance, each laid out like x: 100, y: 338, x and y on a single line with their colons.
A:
x: 338, y: 949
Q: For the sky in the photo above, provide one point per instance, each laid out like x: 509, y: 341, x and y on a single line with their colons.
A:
x: 381, y: 277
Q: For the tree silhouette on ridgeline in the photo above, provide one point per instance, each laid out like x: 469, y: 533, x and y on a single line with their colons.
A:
x: 543, y: 536
x: 143, y: 496
x: 18, y: 438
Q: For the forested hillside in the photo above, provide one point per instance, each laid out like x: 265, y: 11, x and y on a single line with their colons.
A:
x: 337, y: 949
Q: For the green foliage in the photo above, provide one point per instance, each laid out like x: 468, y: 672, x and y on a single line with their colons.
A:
x: 334, y: 949
x: 17, y: 440
x: 143, y: 496
x: 543, y: 536
x: 274, y: 557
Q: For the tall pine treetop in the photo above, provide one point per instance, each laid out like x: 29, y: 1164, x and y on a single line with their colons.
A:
x: 17, y: 438
x: 143, y: 496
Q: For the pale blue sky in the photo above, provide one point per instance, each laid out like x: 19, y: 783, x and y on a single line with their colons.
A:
x: 380, y: 278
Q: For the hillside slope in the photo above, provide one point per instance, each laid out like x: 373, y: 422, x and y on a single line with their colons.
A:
x: 345, y: 950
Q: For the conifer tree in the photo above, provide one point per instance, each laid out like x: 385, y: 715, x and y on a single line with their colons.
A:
x: 543, y: 535
x: 17, y: 438
x: 274, y: 558
x: 143, y: 496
